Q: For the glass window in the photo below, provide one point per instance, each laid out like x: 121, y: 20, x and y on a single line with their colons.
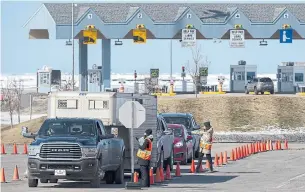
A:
x: 98, y: 104
x: 67, y: 104
x: 250, y: 75
x: 67, y: 127
x: 255, y: 80
x: 239, y: 76
x: 287, y: 77
x: 299, y: 77
x: 178, y: 120
x: 265, y: 80
x: 177, y: 132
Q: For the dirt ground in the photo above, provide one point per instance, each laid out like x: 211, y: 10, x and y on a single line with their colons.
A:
x: 241, y: 113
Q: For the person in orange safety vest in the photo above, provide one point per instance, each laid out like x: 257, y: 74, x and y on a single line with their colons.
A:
x: 144, y: 156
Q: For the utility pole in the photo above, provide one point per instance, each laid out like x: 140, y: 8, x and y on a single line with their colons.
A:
x: 72, y: 38
x: 171, y: 59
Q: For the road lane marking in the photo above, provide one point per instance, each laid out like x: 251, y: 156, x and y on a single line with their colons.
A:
x: 292, y: 179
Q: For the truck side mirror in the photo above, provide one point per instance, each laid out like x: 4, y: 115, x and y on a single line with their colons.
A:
x: 196, y: 127
x: 25, y: 133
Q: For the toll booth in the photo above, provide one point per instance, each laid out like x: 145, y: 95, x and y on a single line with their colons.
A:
x: 289, y: 76
x: 48, y: 78
x: 95, y: 79
x: 240, y: 75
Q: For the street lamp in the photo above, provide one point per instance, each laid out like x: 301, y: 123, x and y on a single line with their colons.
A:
x: 72, y: 38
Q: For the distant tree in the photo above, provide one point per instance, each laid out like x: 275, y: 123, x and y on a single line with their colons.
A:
x: 67, y: 85
x: 193, y: 68
x: 149, y: 85
x: 9, y: 95
x: 18, y: 88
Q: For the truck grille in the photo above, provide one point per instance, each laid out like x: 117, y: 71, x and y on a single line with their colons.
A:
x: 61, y: 150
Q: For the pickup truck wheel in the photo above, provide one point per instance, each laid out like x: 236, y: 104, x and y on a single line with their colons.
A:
x: 109, y: 177
x: 272, y: 92
x: 95, y: 183
x: 119, y: 174
x: 53, y: 180
x: 44, y: 180
x: 32, y: 182
x: 246, y: 90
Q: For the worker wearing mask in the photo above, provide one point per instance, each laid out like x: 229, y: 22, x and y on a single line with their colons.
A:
x: 205, y: 144
x: 144, y: 156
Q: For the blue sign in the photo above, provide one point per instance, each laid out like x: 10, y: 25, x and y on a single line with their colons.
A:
x: 286, y: 35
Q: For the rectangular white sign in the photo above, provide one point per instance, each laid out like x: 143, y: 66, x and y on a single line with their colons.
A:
x: 237, y: 38
x: 188, y: 37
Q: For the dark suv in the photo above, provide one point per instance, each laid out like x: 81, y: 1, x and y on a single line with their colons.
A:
x: 260, y: 85
x: 188, y: 120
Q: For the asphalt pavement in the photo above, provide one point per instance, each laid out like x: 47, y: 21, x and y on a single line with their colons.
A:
x: 267, y: 171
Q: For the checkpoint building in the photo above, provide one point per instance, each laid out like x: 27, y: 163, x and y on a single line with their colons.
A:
x: 161, y: 21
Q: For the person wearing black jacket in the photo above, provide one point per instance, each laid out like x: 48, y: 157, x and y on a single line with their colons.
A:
x: 144, y: 156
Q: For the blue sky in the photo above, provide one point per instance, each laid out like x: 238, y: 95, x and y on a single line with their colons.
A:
x: 21, y: 55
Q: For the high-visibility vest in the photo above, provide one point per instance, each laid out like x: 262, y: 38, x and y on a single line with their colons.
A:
x: 145, y: 154
x: 205, y: 145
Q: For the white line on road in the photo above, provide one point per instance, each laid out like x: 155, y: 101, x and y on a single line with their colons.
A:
x: 287, y: 182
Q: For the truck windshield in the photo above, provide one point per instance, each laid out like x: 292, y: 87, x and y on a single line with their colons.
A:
x: 67, y: 127
x: 265, y: 80
x: 178, y: 120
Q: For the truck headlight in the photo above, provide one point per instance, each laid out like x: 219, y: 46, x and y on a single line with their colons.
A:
x: 33, y: 150
x: 89, y: 152
x: 179, y: 144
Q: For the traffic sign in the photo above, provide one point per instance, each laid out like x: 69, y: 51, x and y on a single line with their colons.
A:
x: 188, y: 37
x: 286, y: 35
x: 237, y: 38
x: 90, y: 36
x: 139, y: 36
x: 203, y: 71
x: 154, y: 73
x: 132, y: 114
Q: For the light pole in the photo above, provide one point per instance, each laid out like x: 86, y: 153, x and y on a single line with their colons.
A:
x: 171, y: 59
x: 72, y: 38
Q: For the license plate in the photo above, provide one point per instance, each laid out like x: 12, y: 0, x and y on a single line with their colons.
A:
x: 60, y: 172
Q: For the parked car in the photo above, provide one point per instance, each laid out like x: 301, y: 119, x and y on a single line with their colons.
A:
x: 165, y: 144
x: 183, y: 144
x: 188, y: 120
x: 260, y: 85
x: 74, y: 149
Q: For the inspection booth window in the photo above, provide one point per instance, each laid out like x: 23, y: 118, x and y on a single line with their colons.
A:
x: 98, y: 104
x: 67, y: 104
x: 287, y: 77
x: 240, y: 76
x: 299, y: 77
x: 44, y: 78
x: 250, y: 76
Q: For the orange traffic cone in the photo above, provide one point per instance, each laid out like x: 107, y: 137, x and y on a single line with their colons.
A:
x: 2, y: 176
x: 267, y: 146
x: 240, y: 153
x: 25, y: 149
x: 192, y: 170
x: 151, y: 176
x: 162, y: 174
x: 178, y: 171
x: 135, y: 177
x: 236, y: 154
x: 14, y: 149
x: 16, y: 174
x: 220, y: 161
x: 280, y: 145
x: 216, y: 163
x: 168, y: 173
x: 286, y: 144
x: 158, y: 176
x: 249, y: 149
x: 232, y: 156
x: 225, y: 158
x: 2, y: 149
x: 271, y: 145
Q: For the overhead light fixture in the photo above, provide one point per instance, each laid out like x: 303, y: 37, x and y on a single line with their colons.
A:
x: 263, y: 43
x: 69, y: 42
x: 118, y: 42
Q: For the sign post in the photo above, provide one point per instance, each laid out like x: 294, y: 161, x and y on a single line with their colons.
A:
x: 132, y: 115
x: 188, y: 37
x: 237, y: 38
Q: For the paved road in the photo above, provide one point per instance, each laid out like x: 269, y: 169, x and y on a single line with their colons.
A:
x: 268, y: 171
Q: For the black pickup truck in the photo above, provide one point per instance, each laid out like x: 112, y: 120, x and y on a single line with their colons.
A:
x: 74, y: 149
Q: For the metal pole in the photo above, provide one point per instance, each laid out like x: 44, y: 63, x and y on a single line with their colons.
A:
x: 171, y: 60
x: 31, y: 106
x: 72, y: 38
x: 132, y: 138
